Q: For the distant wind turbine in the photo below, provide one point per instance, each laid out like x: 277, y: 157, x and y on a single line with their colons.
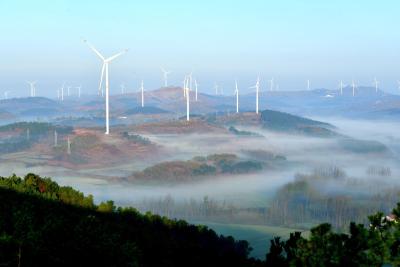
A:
x: 68, y: 90
x: 257, y: 87
x: 353, y: 85
x: 165, y: 76
x: 271, y: 84
x: 376, y: 84
x: 187, y: 99
x: 6, y: 94
x: 237, y: 97
x: 216, y: 88
x: 33, y: 89
x: 79, y: 90
x: 106, y: 61
x: 62, y: 92
x: 308, y: 85
x: 55, y: 138
x: 142, y: 90
x: 341, y: 87
x: 122, y: 88
x: 195, y: 85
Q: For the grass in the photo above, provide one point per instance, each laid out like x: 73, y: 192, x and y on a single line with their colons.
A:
x: 258, y: 236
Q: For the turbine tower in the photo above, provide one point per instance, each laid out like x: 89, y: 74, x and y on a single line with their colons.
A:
x: 62, y: 92
x: 376, y: 85
x: 237, y: 97
x: 257, y: 86
x: 79, y: 90
x: 106, y: 61
x: 308, y: 85
x: 195, y: 85
x: 122, y: 88
x: 271, y: 82
x: 341, y: 87
x: 353, y: 85
x: 33, y: 89
x: 165, y: 76
x: 216, y: 88
x: 55, y: 138
x: 68, y: 89
x: 142, y: 89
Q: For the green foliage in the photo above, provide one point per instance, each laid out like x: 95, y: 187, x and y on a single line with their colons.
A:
x: 136, y: 138
x: 38, y: 228
x: 242, y: 133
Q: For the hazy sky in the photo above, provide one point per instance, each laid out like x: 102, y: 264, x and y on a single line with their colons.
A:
x: 292, y: 41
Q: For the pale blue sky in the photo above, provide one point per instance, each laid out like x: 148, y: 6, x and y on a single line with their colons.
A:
x: 292, y: 41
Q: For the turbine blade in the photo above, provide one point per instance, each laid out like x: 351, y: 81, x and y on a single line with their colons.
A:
x: 116, y: 55
x: 94, y: 49
x: 101, y: 77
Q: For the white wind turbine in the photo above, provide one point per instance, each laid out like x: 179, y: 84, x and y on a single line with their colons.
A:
x: 165, y: 76
x: 237, y: 97
x: 32, y: 87
x: 308, y: 85
x: 187, y: 98
x: 376, y: 82
x: 353, y: 85
x: 6, y: 94
x: 341, y: 87
x: 68, y: 90
x: 216, y: 88
x: 79, y: 90
x: 106, y: 61
x: 195, y: 85
x: 62, y: 92
x: 257, y: 87
x: 142, y: 91
x: 271, y: 82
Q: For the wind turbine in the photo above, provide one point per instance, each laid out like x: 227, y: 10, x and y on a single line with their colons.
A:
x: 308, y: 85
x: 165, y: 76
x: 62, y: 92
x: 237, y: 97
x: 6, y: 94
x: 376, y: 85
x: 195, y: 85
x: 142, y: 89
x: 271, y: 82
x: 187, y: 98
x: 33, y: 89
x: 341, y: 87
x: 106, y: 61
x: 353, y: 85
x: 122, y: 88
x: 69, y: 87
x: 79, y: 90
x: 257, y: 86
x: 216, y: 88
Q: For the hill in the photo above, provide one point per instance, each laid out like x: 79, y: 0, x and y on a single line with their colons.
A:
x: 281, y: 121
x: 44, y: 224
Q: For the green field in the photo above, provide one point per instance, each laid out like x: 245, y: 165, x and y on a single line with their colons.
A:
x: 258, y: 236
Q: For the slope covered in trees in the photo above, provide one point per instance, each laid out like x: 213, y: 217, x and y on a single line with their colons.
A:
x: 44, y: 224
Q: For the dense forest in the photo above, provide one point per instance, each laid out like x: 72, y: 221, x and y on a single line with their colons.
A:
x: 44, y: 224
